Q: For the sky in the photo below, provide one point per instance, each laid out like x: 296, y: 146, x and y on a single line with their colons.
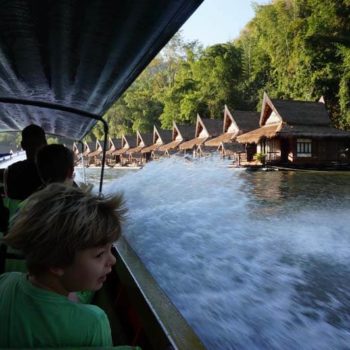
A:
x: 218, y: 21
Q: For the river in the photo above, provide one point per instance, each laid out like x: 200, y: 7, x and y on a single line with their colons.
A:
x: 253, y: 260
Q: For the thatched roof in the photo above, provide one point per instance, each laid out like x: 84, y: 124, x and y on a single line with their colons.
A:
x: 284, y: 130
x: 246, y: 120
x: 187, y: 132
x: 256, y: 135
x: 76, y: 148
x: 130, y: 140
x: 302, y: 113
x: 165, y: 135
x: 295, y: 112
x: 115, y: 144
x: 160, y: 137
x: 89, y: 147
x: 147, y: 138
x: 226, y: 137
x: 95, y: 153
x: 98, y: 148
x: 238, y: 123
x: 127, y: 142
x: 169, y: 145
x: 134, y: 150
x: 192, y: 143
x: 120, y: 151
x: 150, y: 148
x: 213, y: 126
x: 293, y: 119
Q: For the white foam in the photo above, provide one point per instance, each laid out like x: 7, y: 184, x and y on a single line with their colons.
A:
x: 252, y: 261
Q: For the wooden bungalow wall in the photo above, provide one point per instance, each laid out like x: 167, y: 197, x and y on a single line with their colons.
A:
x: 324, y: 151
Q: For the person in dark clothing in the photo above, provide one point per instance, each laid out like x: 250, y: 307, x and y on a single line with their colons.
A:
x: 55, y: 163
x: 21, y: 179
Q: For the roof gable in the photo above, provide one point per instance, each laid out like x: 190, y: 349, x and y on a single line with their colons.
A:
x: 246, y: 120
x: 208, y: 127
x: 128, y: 141
x: 186, y: 132
x: 294, y: 112
x: 161, y: 136
x: 144, y: 139
x: 91, y: 145
x: 229, y: 123
x: 116, y: 142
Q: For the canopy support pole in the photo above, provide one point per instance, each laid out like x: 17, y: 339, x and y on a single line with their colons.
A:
x: 105, y: 129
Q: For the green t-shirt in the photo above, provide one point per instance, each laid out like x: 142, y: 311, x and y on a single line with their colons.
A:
x: 34, y: 317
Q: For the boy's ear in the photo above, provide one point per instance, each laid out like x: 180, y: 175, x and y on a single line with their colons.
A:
x: 57, y: 271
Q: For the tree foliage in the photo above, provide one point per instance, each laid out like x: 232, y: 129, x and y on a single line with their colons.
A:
x: 295, y: 49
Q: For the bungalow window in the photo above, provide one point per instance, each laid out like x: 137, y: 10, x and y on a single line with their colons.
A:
x: 304, y: 148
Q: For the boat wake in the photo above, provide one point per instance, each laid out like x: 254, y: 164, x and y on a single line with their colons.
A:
x: 252, y: 260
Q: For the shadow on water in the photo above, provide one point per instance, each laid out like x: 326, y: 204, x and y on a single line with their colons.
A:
x: 252, y: 260
x: 273, y: 192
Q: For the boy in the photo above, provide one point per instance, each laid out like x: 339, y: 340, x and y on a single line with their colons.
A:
x: 54, y: 163
x: 66, y: 235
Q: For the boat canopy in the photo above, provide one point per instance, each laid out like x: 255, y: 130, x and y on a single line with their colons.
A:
x: 63, y: 63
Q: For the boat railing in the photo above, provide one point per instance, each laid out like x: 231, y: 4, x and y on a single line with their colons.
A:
x: 156, y: 314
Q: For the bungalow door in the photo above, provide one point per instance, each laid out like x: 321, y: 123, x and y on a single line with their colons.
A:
x: 284, y: 150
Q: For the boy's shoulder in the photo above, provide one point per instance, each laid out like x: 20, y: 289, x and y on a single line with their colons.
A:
x: 15, y: 280
x: 89, y: 309
x: 11, y: 277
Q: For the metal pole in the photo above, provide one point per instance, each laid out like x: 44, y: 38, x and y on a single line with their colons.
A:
x: 105, y: 129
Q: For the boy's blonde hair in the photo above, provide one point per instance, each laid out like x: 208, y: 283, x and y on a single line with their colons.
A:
x: 60, y: 220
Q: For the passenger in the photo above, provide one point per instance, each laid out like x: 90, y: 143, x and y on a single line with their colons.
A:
x: 21, y: 179
x: 66, y: 235
x: 55, y: 163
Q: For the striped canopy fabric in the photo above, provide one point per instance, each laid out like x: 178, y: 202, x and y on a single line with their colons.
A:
x: 63, y: 63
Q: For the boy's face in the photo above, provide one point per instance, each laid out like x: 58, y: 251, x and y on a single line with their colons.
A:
x: 89, y: 269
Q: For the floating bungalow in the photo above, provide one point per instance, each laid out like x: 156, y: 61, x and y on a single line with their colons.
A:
x: 143, y: 140
x: 121, y: 157
x: 76, y: 151
x: 205, y: 130
x: 95, y: 156
x: 240, y: 123
x: 114, y: 145
x: 160, y: 138
x: 298, y: 133
x: 180, y: 134
x: 88, y: 148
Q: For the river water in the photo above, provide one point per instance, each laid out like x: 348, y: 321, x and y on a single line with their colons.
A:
x: 253, y: 260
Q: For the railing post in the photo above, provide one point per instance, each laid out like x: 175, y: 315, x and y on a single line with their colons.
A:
x: 105, y: 129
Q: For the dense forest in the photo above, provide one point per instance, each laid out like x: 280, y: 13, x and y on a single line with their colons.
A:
x: 292, y: 49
